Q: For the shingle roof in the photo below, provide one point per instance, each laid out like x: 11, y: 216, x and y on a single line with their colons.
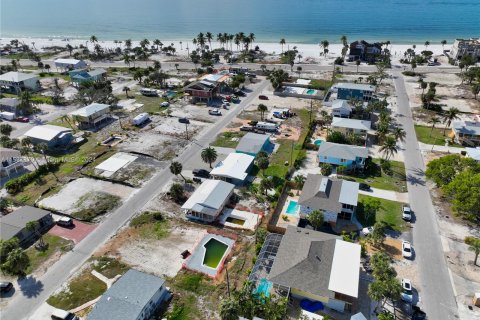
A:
x: 14, y: 222
x: 46, y: 132
x: 304, y: 261
x: 252, y: 143
x: 90, y: 109
x: 209, y: 196
x: 127, y: 297
x: 16, y: 76
x: 342, y: 151
x: 467, y: 127
x: 322, y: 193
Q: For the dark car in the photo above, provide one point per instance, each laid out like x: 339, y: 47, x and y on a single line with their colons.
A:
x: 201, y: 173
x: 364, y: 187
x: 262, y: 97
x: 240, y: 93
x: 184, y: 120
x: 246, y: 128
x: 65, y: 222
x: 5, y: 286
x: 22, y: 119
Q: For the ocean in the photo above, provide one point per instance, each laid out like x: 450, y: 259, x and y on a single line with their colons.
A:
x: 298, y: 21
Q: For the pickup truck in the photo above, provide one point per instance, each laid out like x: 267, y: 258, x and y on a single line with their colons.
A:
x: 215, y: 112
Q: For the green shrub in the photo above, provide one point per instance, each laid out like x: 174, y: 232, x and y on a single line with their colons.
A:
x: 16, y: 185
x: 146, y: 217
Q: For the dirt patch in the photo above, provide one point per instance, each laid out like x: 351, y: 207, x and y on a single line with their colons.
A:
x: 392, y: 247
x: 160, y: 147
x: 461, y: 263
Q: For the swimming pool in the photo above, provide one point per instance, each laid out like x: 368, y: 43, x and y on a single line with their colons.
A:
x: 214, y: 251
x: 317, y: 142
x: 171, y: 94
x: 311, y: 91
x: 264, y: 287
x: 292, y: 207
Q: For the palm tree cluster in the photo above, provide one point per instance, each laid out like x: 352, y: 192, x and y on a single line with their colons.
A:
x: 389, y: 135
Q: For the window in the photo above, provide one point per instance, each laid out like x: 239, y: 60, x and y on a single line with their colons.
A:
x: 342, y: 160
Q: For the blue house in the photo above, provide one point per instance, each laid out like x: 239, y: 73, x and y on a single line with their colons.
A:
x: 82, y: 75
x: 336, y: 154
x: 253, y: 143
x: 347, y: 91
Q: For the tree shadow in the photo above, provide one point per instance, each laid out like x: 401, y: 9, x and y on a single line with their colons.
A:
x: 30, y: 286
x: 414, y: 180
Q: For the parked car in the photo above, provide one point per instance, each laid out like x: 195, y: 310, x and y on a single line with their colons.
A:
x: 201, y: 173
x: 406, y: 249
x: 215, y: 112
x: 418, y: 314
x: 6, y: 287
x: 164, y: 104
x: 184, y: 120
x: 262, y: 97
x: 406, y: 213
x: 240, y: 93
x: 246, y: 128
x: 63, y: 315
x: 22, y: 119
x: 366, y: 231
x: 364, y: 187
x: 65, y: 222
x: 407, y: 293
x: 226, y: 101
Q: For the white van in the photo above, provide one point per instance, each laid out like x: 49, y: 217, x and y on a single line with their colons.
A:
x: 7, y: 115
x: 149, y: 92
x: 141, y: 118
x: 63, y: 315
x: 267, y: 126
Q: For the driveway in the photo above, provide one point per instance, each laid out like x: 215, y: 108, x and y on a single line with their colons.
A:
x: 77, y: 233
x: 386, y: 194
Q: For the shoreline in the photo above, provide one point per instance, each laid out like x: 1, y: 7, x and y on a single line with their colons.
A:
x: 307, y: 50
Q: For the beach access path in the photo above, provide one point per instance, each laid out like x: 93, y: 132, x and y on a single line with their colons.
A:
x: 36, y: 291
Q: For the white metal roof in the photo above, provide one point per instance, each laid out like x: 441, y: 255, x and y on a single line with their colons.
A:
x: 234, y: 166
x: 14, y: 76
x: 46, y: 132
x: 116, y: 162
x: 341, y: 104
x: 473, y: 153
x: 351, y: 123
x: 68, y: 61
x: 90, y: 110
x: 345, y: 272
x: 209, y: 196
x: 349, y: 193
x: 341, y: 151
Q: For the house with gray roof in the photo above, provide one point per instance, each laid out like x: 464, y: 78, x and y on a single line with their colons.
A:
x: 352, y: 157
x: 347, y: 91
x: 467, y: 132
x: 336, y: 198
x: 253, y: 143
x: 14, y: 224
x: 341, y: 108
x: 53, y: 136
x: 473, y: 153
x: 317, y: 266
x: 208, y: 201
x: 136, y: 295
x: 82, y: 75
x: 15, y: 82
x: 91, y: 116
x: 351, y: 126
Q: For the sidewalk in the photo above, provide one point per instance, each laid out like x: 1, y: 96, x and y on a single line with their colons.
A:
x: 448, y: 149
x: 386, y: 194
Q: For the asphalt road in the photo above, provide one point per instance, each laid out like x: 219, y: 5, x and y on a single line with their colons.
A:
x: 36, y: 291
x: 437, y: 295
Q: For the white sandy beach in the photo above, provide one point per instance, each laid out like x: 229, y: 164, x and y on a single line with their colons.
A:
x: 306, y: 50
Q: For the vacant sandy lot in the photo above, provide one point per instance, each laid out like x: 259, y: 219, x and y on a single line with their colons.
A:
x: 65, y: 200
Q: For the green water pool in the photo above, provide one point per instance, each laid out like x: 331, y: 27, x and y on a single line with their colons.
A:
x: 214, y: 251
x: 240, y: 222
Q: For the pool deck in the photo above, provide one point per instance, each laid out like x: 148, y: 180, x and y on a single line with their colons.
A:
x: 292, y: 218
x: 195, y: 261
x: 251, y: 219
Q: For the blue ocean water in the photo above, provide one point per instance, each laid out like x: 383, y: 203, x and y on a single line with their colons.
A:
x: 302, y: 21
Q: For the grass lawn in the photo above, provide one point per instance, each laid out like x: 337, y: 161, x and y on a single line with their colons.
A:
x: 228, y: 139
x: 109, y: 267
x: 390, y: 212
x: 150, y: 104
x: 81, y: 289
x: 436, y: 137
x: 396, y: 181
x: 55, y: 244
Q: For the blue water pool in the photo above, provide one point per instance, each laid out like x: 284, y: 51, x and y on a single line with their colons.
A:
x: 264, y: 287
x: 318, y: 142
x: 292, y: 207
x: 311, y: 91
x: 171, y: 94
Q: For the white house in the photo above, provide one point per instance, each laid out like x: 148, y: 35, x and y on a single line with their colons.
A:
x: 91, y: 115
x: 72, y: 64
x: 341, y: 108
x: 17, y: 81
x: 234, y: 168
x: 348, y: 126
x: 53, y: 136
x: 336, y: 198
x: 208, y: 201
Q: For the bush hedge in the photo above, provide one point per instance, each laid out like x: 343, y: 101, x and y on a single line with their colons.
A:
x: 17, y: 184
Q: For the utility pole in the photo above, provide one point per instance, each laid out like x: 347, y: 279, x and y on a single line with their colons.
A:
x: 228, y: 279
x: 186, y: 128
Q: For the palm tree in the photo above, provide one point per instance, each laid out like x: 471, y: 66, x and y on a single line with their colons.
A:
x: 424, y: 86
x: 299, y: 181
x: 324, y: 44
x: 66, y: 119
x: 157, y: 42
x: 126, y: 89
x: 434, y: 120
x: 444, y: 42
x: 427, y: 43
x: 263, y: 164
x: 474, y: 246
x: 316, y: 218
x: 399, y: 134
x: 251, y: 36
x: 282, y: 42
x: 32, y: 226
x: 450, y: 115
x: 176, y: 168
x: 344, y: 40
x: 389, y: 147
x: 262, y: 108
x: 209, y: 155
x: 27, y: 150
x: 357, y: 62
x: 93, y: 39
x: 209, y: 37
